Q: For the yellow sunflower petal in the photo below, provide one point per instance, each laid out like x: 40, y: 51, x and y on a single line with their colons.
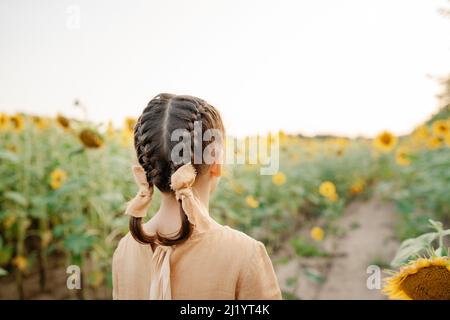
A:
x: 422, y: 279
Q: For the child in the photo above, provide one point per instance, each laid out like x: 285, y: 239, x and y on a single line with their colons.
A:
x: 201, y: 259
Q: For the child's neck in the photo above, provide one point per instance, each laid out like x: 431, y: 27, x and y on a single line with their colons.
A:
x: 167, y: 220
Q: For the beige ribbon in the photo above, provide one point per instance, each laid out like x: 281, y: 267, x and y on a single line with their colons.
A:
x: 160, y: 269
x: 138, y: 206
x: 181, y: 182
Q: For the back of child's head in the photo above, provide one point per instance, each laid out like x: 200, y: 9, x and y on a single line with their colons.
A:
x: 154, y: 142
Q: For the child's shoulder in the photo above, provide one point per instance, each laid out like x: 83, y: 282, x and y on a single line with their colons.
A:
x: 124, y: 242
x: 129, y: 246
x: 238, y: 239
x: 236, y: 234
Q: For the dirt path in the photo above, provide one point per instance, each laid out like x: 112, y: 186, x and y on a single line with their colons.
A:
x: 367, y: 239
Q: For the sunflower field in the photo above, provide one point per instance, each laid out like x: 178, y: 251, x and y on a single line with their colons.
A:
x: 64, y: 184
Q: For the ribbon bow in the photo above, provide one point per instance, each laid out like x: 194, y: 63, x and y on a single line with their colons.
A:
x: 181, y: 183
x: 138, y: 206
x: 182, y: 180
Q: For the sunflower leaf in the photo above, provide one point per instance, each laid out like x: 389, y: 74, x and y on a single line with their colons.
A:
x: 9, y: 156
x: 436, y: 225
x: 16, y: 197
x: 441, y: 252
x: 3, y: 272
x: 413, y: 247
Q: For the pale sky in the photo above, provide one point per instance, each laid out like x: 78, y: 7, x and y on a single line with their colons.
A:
x: 310, y: 66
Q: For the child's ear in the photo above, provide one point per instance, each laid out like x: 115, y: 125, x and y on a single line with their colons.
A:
x: 216, y: 170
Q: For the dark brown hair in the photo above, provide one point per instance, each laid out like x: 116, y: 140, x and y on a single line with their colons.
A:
x: 152, y: 140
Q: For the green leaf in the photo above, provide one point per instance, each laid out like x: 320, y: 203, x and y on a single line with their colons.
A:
x: 5, y: 255
x: 16, y: 197
x: 3, y: 272
x: 8, y: 156
x: 38, y: 207
x: 406, y: 207
x: 305, y: 249
x: 58, y: 230
x: 441, y: 252
x: 37, y: 213
x: 77, y: 244
x: 291, y: 281
x: 436, y: 225
x: 315, y: 276
x: 71, y: 186
x: 413, y: 247
x: 112, y: 197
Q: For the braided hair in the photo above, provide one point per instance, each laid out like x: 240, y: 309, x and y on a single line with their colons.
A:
x: 164, y: 114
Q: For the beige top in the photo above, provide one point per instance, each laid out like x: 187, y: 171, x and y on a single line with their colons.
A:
x: 216, y: 262
x: 220, y: 263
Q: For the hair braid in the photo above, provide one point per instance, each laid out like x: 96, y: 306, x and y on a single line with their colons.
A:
x: 152, y: 140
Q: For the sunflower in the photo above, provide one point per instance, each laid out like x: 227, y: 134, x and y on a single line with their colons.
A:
x: 90, y: 139
x: 342, y: 142
x: 46, y: 238
x: 9, y: 221
x: 357, y: 187
x: 282, y: 136
x: 96, y: 278
x: 239, y: 189
x: 252, y: 202
x: 17, y: 121
x: 20, y: 262
x: 402, y: 157
x: 434, y: 142
x: 317, y: 233
x: 3, y: 121
x: 385, y: 141
x: 271, y: 138
x: 40, y: 123
x: 130, y: 123
x: 63, y: 121
x: 57, y: 178
x: 440, y: 127
x: 421, y: 279
x: 11, y: 147
x: 110, y: 132
x: 421, y: 132
x: 279, y: 179
x: 126, y: 137
x: 328, y: 190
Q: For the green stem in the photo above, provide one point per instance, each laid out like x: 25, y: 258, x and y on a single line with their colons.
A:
x: 441, y: 241
x: 43, y: 261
